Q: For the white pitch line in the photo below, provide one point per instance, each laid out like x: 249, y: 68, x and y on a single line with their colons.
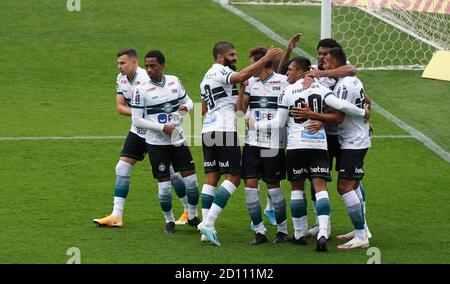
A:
x: 266, y: 30
x: 414, y: 132
x: 58, y: 138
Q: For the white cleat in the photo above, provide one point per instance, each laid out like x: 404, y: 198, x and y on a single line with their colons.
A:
x: 312, y: 232
x: 351, y: 235
x: 354, y: 243
x: 204, y: 239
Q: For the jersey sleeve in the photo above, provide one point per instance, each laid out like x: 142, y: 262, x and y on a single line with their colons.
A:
x: 223, y: 75
x: 118, y: 89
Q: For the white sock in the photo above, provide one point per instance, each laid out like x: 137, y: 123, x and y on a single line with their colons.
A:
x: 119, y: 204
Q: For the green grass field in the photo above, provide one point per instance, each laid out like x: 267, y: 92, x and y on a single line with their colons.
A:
x: 58, y: 80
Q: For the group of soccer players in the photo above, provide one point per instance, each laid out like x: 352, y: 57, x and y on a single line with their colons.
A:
x: 298, y: 120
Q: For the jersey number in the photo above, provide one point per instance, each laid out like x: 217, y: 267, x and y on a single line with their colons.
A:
x: 209, y: 97
x: 314, y: 103
x: 359, y: 102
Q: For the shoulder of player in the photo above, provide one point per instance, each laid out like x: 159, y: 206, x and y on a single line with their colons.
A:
x: 171, y: 80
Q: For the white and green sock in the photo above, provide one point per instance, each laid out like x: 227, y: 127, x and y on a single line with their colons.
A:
x: 351, y: 200
x: 123, y: 170
x: 224, y: 193
x: 323, y: 213
x: 207, y: 199
x: 192, y: 194
x: 299, y: 216
x: 279, y: 206
x: 165, y: 200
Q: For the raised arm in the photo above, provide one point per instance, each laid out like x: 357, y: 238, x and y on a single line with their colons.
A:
x: 249, y: 71
x: 287, y: 54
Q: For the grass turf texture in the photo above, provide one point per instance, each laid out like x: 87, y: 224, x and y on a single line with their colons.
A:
x: 61, y: 83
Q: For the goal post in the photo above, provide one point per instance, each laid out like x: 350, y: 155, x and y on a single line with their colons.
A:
x: 382, y: 34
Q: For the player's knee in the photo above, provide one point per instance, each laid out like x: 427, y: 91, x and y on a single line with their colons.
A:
x: 164, y: 188
x: 191, y: 181
x: 235, y: 179
x: 123, y: 168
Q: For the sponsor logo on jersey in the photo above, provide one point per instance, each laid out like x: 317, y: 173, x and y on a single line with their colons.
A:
x: 123, y: 81
x: 263, y: 102
x: 209, y: 164
x: 174, y: 91
x: 224, y: 72
x: 170, y: 83
x: 359, y: 171
x: 162, y: 118
x: 224, y: 165
x: 168, y: 107
x: 309, y: 135
x: 151, y: 89
x: 320, y: 170
x: 275, y: 82
x: 299, y: 171
x: 161, y: 167
x: 276, y: 88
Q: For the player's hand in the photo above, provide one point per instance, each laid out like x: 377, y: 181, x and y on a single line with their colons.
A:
x: 168, y: 129
x: 182, y: 110
x: 367, y: 111
x: 294, y: 41
x: 314, y: 73
x: 315, y: 125
x: 303, y: 112
x: 307, y: 82
x: 272, y: 53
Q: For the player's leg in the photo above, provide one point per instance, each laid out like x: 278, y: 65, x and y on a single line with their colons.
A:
x: 274, y: 170
x: 229, y: 158
x: 132, y: 151
x: 160, y: 160
x: 320, y: 174
x: 180, y: 189
x: 351, y: 164
x: 251, y: 172
x: 183, y: 162
x: 297, y: 173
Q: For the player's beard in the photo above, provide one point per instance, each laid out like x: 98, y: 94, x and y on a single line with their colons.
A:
x: 230, y: 64
x: 320, y: 66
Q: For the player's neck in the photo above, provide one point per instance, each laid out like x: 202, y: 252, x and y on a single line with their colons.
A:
x: 265, y: 74
x: 158, y: 79
x: 132, y: 74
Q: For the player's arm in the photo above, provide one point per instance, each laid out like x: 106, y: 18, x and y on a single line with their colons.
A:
x: 345, y: 106
x: 186, y: 103
x: 243, y: 98
x: 305, y: 112
x: 249, y: 71
x: 287, y: 54
x: 121, y: 106
x: 341, y: 71
x: 278, y: 121
x: 204, y: 107
x: 138, y: 111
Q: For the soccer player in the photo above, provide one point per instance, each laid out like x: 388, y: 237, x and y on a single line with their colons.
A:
x: 263, y: 154
x: 221, y: 151
x: 354, y: 140
x: 156, y: 106
x: 307, y: 155
x: 133, y: 149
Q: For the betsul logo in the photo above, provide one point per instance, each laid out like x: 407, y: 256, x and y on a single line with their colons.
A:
x: 73, y: 5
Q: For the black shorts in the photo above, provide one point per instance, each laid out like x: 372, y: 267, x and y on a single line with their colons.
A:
x: 257, y: 163
x: 307, y: 164
x: 161, y: 156
x: 134, y: 147
x: 351, y: 164
x: 334, y: 149
x: 221, y: 152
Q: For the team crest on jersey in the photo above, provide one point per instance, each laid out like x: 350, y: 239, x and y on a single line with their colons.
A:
x: 168, y: 107
x: 162, y: 118
x: 263, y: 102
x: 162, y: 167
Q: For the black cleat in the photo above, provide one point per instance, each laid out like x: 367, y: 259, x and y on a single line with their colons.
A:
x: 170, y: 228
x: 281, y: 237
x: 301, y: 241
x: 259, y: 239
x: 321, y: 244
x: 194, y: 222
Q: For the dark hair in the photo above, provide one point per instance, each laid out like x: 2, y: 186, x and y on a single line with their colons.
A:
x: 328, y: 42
x: 338, y: 54
x: 257, y: 53
x: 131, y: 52
x: 221, y: 47
x: 302, y: 63
x: 157, y: 54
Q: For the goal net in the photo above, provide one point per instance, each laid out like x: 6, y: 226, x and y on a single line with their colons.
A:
x: 385, y: 34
